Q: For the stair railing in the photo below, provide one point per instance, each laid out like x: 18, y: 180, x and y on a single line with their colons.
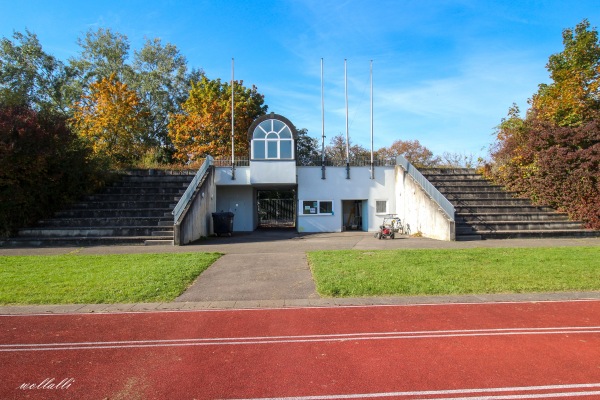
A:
x: 431, y: 191
x: 189, y: 192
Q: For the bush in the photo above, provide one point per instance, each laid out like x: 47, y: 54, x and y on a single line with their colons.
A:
x: 43, y: 165
x: 555, y: 165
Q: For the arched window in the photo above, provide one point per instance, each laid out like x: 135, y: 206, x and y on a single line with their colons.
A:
x: 272, y: 140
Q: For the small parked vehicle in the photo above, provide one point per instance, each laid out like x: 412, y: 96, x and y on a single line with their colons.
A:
x: 386, y: 229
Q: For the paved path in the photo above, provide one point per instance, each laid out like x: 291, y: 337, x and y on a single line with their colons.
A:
x: 263, y: 276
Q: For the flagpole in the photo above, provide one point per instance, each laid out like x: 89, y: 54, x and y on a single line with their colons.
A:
x: 232, y: 121
x: 372, y: 165
x: 322, y: 124
x: 347, y: 132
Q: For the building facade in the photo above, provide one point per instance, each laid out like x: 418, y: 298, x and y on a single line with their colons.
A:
x: 272, y: 190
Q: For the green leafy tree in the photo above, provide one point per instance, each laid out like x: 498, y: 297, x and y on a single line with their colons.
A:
x: 204, y: 126
x: 307, y: 150
x: 573, y: 97
x: 160, y: 78
x: 30, y: 76
x: 103, y: 53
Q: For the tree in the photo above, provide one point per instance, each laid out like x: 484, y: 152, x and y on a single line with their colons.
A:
x: 111, y: 119
x: 573, y: 97
x: 29, y: 76
x: 567, y: 168
x: 103, y: 53
x: 457, y: 160
x: 307, y: 150
x: 161, y: 80
x: 43, y: 165
x: 552, y: 154
x: 204, y: 126
x: 336, y: 151
x: 417, y: 154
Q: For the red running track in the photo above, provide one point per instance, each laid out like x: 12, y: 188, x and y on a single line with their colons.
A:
x: 460, y: 351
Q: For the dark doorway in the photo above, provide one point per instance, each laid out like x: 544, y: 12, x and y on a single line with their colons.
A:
x: 352, y: 215
x: 276, y: 208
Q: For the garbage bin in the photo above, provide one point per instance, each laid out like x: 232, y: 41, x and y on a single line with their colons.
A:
x: 223, y: 223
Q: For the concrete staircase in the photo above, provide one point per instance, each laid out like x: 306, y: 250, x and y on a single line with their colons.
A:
x: 135, y: 210
x: 487, y: 211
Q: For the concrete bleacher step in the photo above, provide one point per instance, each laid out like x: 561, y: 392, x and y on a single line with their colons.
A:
x: 135, y: 210
x: 487, y: 211
x: 109, y: 221
x: 521, y: 216
x: 90, y: 231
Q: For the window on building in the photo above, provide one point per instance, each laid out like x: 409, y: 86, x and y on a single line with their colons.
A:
x: 326, y: 207
x: 317, y: 207
x: 381, y: 207
x: 272, y: 140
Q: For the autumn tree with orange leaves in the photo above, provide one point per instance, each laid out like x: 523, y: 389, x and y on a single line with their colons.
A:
x: 204, y: 127
x: 111, y: 119
x: 552, y: 155
x: 419, y: 155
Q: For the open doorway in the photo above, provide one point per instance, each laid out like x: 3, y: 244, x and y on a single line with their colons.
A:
x: 276, y: 208
x: 352, y: 215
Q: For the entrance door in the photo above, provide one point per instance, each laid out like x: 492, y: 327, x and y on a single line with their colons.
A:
x: 276, y: 209
x: 352, y: 215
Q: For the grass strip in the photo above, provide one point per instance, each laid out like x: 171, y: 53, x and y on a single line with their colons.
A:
x: 94, y: 279
x: 356, y: 273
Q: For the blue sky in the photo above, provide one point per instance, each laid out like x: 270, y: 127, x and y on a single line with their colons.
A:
x: 445, y: 72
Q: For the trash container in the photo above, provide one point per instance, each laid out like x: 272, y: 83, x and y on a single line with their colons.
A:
x: 223, y: 223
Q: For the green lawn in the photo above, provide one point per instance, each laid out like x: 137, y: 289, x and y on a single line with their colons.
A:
x: 354, y: 273
x: 70, y: 279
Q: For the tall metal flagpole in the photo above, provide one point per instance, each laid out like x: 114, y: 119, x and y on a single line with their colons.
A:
x: 372, y: 165
x: 232, y: 122
x: 322, y: 124
x: 347, y: 133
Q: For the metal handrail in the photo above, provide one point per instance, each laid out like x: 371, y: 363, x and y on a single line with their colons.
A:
x: 187, y: 195
x: 337, y: 162
x: 431, y: 191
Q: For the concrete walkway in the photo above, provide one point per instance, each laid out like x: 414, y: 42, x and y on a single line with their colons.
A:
x: 264, y: 276
x: 269, y: 269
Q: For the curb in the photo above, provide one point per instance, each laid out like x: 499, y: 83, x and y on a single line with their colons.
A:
x: 296, y: 303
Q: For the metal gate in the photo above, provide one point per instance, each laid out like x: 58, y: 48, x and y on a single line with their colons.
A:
x: 276, y: 213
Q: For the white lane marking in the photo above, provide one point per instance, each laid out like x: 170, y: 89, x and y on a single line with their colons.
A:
x: 296, y: 339
x: 463, y: 392
x: 522, y: 396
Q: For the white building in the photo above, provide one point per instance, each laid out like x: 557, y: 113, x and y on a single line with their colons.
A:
x: 273, y: 190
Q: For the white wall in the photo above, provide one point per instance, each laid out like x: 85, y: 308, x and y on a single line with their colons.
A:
x: 273, y: 172
x: 337, y: 188
x: 196, y: 220
x: 223, y: 176
x: 416, y: 208
x: 240, y: 201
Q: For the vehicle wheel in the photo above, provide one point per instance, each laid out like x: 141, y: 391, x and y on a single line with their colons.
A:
x: 392, y: 236
x: 378, y: 235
